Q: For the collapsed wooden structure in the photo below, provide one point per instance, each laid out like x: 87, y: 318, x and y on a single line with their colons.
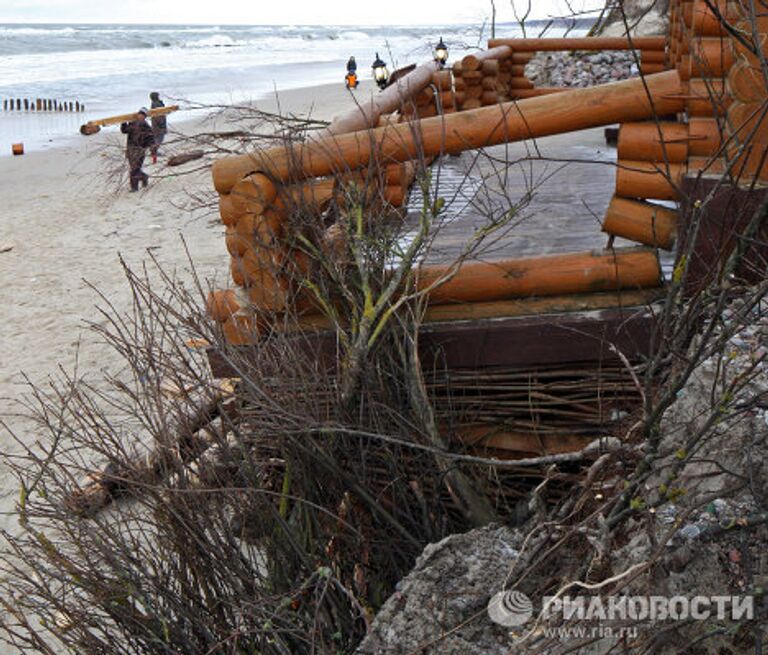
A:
x: 700, y: 98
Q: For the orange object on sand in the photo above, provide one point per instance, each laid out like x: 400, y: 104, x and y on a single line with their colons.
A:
x: 17, y: 148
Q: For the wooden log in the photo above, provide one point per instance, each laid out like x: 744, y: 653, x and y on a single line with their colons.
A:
x: 650, y: 69
x: 459, y: 98
x: 367, y: 113
x: 475, y: 61
x: 395, y: 195
x: 535, y: 306
x: 651, y: 141
x: 457, y: 70
x: 460, y: 84
x: 653, y: 57
x: 184, y: 420
x: 523, y: 94
x: 253, y: 194
x: 237, y: 244
x: 236, y: 271
x: 521, y: 58
x: 443, y: 80
x: 501, y: 438
x: 473, y: 92
x: 705, y: 136
x: 683, y: 67
x: 576, y: 109
x: 583, y: 43
x: 643, y: 222
x: 707, y: 97
x: 520, y: 83
x: 267, y: 288
x: 472, y: 103
x: 241, y: 330
x: 424, y: 97
x: 653, y: 180
x: 185, y: 157
x: 222, y: 304
x: 542, y: 276
x: 490, y: 67
x: 515, y: 307
x: 748, y: 128
x: 746, y: 82
x: 756, y: 25
x: 489, y: 83
x: 710, y: 57
x: 472, y: 77
x: 446, y: 99
x: 490, y: 98
x: 427, y: 112
x: 227, y: 212
x: 704, y: 21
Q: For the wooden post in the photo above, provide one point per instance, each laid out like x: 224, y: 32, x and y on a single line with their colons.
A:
x: 576, y: 109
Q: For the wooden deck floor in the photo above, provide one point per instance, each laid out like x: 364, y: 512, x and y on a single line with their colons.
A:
x: 558, y: 187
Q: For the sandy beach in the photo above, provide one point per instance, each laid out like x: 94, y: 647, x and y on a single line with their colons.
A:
x: 66, y: 222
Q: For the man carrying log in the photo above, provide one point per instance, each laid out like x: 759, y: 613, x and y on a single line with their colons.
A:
x: 159, y: 124
x: 139, y: 138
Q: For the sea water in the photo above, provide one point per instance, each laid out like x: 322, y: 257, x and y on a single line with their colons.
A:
x: 112, y: 68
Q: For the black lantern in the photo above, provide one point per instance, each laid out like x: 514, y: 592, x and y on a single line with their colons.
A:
x: 441, y: 53
x: 380, y: 72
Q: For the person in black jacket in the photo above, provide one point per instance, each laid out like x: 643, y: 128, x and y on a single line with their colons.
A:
x: 159, y: 124
x: 139, y: 138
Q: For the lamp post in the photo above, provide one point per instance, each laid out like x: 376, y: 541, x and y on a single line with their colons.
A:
x: 380, y: 72
x: 441, y: 53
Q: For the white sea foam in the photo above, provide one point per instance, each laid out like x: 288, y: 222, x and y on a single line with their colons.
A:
x: 111, y: 67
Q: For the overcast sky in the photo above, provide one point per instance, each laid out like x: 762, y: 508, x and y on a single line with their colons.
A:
x: 269, y: 12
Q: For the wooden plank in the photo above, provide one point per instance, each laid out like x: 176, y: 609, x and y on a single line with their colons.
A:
x: 540, y: 340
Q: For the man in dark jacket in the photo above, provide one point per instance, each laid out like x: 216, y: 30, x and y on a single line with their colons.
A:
x: 159, y: 124
x: 140, y: 138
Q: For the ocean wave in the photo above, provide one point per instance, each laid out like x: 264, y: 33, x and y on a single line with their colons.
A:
x: 216, y: 41
x: 354, y: 36
x: 9, y: 31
